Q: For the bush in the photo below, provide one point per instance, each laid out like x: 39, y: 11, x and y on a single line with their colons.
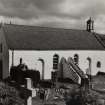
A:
x: 9, y: 95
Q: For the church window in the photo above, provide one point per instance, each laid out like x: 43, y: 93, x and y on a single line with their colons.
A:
x: 98, y: 64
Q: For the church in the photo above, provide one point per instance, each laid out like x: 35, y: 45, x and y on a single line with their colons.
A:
x: 35, y: 42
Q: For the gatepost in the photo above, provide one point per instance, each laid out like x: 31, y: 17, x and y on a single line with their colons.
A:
x: 28, y: 85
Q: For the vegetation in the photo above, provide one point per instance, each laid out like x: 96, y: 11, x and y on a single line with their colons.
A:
x: 9, y: 95
x: 82, y: 96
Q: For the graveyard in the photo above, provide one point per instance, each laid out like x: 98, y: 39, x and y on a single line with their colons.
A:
x: 26, y: 90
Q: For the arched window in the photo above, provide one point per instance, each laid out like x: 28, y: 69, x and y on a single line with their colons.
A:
x: 98, y: 64
x: 55, y: 61
x: 76, y: 58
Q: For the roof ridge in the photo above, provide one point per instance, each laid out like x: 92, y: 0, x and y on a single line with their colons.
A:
x: 60, y: 28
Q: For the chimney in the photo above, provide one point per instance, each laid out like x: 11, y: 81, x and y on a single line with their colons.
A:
x: 21, y: 60
x: 90, y: 25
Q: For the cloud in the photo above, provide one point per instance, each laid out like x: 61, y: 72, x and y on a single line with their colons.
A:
x: 33, y: 8
x: 55, y: 13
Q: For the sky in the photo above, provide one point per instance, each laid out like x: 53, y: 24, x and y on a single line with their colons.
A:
x: 54, y: 13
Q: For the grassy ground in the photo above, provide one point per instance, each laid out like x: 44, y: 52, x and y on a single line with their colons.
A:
x: 93, y: 97
x: 37, y: 101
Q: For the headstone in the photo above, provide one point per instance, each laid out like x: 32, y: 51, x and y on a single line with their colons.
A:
x: 28, y: 85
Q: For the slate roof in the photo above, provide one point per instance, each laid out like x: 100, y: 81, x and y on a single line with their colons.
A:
x: 22, y: 37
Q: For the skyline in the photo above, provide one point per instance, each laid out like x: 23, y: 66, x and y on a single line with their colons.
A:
x: 70, y: 14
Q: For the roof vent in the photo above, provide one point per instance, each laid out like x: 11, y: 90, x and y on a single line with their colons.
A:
x: 90, y: 25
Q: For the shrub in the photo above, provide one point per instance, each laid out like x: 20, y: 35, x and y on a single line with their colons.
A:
x: 9, y: 95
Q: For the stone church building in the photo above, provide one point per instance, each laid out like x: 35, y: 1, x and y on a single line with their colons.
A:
x: 65, y: 42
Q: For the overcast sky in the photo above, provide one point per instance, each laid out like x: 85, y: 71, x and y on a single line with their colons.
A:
x: 54, y: 13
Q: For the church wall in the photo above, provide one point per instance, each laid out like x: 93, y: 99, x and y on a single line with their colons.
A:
x: 31, y: 59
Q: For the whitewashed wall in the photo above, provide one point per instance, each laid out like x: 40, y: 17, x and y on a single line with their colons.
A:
x: 31, y: 59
